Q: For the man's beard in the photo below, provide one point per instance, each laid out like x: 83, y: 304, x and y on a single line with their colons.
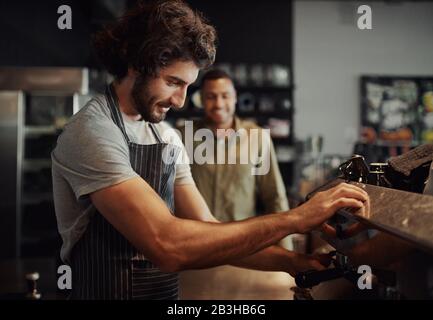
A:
x: 144, y: 102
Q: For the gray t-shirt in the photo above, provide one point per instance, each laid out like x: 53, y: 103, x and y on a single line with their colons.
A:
x: 92, y: 154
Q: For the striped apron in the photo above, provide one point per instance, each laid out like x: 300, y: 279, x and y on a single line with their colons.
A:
x: 104, y: 264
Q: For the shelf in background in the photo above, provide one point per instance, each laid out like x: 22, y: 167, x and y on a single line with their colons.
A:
x: 36, y: 164
x: 396, y: 143
x: 40, y: 130
x: 30, y: 198
x: 260, y: 89
x: 257, y: 114
x: 286, y: 161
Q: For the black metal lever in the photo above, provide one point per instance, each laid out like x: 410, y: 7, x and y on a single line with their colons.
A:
x: 312, y: 278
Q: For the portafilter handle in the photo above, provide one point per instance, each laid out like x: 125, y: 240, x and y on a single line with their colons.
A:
x: 312, y: 278
x: 355, y: 169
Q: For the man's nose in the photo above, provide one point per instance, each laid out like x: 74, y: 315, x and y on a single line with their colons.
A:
x: 178, y: 99
x: 219, y: 102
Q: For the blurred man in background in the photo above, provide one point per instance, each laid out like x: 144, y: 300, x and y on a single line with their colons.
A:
x: 231, y: 191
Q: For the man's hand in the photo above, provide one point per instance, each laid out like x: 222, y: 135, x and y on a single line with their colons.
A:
x: 323, y: 205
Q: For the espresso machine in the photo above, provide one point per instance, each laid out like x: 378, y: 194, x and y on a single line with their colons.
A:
x: 386, y: 250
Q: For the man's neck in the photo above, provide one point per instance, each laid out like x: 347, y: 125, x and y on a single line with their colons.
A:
x: 123, y: 89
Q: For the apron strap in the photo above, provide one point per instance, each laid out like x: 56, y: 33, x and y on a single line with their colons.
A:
x: 156, y: 133
x: 115, y: 112
x: 113, y: 104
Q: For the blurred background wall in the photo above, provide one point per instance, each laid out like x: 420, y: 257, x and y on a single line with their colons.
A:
x: 330, y: 53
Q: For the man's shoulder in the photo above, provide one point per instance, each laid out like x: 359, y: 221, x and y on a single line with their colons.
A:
x: 251, y: 127
x: 96, y: 107
x: 248, y: 124
x: 94, y: 115
x: 92, y: 124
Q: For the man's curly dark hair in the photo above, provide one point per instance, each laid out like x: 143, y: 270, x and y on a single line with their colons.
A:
x: 153, y: 35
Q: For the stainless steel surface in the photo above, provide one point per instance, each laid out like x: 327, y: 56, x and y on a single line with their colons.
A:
x: 47, y: 97
x: 11, y: 132
x: 58, y: 80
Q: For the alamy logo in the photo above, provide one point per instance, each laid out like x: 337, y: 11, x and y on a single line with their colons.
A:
x: 365, y: 280
x: 365, y: 21
x: 65, y: 20
x: 252, y: 147
x: 65, y: 279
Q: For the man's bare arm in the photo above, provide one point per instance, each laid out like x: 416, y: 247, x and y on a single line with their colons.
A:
x: 191, y: 205
x: 174, y: 244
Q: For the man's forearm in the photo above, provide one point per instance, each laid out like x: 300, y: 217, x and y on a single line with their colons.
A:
x: 197, y: 244
x: 273, y: 258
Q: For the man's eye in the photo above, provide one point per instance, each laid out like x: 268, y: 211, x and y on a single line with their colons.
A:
x: 172, y: 83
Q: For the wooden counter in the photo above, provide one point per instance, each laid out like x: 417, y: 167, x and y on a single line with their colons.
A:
x: 231, y: 283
